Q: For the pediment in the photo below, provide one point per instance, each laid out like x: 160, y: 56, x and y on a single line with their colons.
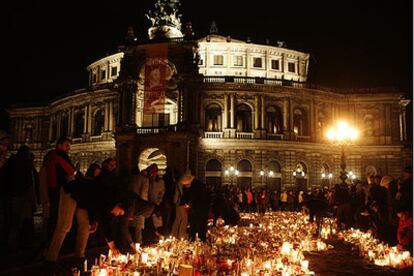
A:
x: 218, y: 38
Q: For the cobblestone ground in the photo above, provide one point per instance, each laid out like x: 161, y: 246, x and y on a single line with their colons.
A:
x: 341, y: 260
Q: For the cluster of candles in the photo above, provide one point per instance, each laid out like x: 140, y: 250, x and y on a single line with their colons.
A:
x: 263, y: 245
x: 375, y: 250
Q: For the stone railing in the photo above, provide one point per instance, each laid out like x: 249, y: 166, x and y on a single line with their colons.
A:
x: 156, y: 130
x: 244, y: 135
x: 213, y: 134
x: 274, y: 136
x: 252, y: 80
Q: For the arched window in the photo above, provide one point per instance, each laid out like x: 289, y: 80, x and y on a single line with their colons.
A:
x: 98, y: 122
x: 244, y: 118
x: 369, y: 125
x: 326, y: 176
x: 213, y: 165
x: 213, y: 118
x: 321, y: 123
x: 370, y: 170
x: 274, y: 167
x: 64, y: 126
x: 79, y: 124
x: 245, y: 168
x: 273, y: 120
x: 274, y: 182
x: 300, y: 122
x: 213, y: 174
x: 300, y: 173
x: 28, y: 134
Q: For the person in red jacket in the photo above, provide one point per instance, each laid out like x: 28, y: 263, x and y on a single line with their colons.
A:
x: 405, y: 230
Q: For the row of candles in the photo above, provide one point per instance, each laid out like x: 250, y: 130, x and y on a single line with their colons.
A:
x: 272, y: 244
x: 375, y: 250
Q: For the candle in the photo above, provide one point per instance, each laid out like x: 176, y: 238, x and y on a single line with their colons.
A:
x: 185, y: 270
x: 144, y: 257
x: 305, y: 265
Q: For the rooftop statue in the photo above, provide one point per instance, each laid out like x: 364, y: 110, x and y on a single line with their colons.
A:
x: 165, y: 19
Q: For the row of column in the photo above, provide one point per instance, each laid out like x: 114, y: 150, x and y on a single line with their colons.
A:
x: 258, y: 113
x: 88, y: 120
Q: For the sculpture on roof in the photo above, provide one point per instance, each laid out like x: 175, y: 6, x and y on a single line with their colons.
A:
x: 165, y: 19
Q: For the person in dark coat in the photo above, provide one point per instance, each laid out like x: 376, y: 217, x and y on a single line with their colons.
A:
x: 20, y: 176
x: 168, y: 205
x: 109, y: 209
x: 223, y: 208
x: 197, y: 197
x: 318, y: 208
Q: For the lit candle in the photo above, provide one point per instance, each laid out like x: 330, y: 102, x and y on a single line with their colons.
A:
x: 305, y: 265
x: 144, y: 257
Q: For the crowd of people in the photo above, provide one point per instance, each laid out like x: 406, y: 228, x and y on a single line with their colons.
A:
x: 381, y: 205
x: 148, y: 206
x: 141, y: 210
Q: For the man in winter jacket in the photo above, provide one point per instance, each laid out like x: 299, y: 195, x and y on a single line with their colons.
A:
x: 110, y: 208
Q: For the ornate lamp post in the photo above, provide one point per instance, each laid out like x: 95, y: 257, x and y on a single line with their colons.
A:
x: 232, y: 173
x: 343, y: 135
x: 265, y: 175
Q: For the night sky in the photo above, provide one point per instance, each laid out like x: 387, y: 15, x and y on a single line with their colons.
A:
x: 352, y: 43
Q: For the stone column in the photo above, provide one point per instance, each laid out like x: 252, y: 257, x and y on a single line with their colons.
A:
x: 256, y: 112
x: 291, y: 121
x: 72, y: 121
x: 89, y: 128
x: 232, y: 115
x: 106, y: 117
x: 312, y: 132
x: 262, y: 113
x: 226, y: 111
x: 285, y: 115
x: 111, y: 117
x: 85, y: 119
x: 179, y: 107
x: 403, y: 119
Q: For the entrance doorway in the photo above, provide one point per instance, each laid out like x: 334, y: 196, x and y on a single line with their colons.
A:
x: 150, y: 156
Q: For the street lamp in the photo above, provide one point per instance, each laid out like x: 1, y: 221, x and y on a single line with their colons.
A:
x: 343, y: 135
x: 231, y: 172
x: 265, y: 175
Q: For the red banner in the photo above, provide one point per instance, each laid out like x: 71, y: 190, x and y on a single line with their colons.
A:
x: 156, y: 73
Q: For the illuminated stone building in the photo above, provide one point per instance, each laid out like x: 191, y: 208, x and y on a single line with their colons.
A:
x: 223, y: 103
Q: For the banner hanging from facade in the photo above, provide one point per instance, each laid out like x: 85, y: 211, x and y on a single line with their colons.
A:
x: 157, y: 72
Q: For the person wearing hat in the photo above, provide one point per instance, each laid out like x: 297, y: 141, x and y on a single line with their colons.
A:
x: 197, y: 199
x: 179, y: 229
x: 405, y: 188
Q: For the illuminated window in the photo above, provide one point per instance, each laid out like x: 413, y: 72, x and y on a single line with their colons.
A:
x: 103, y: 74
x: 218, y: 60
x: 79, y: 124
x: 275, y: 64
x: 238, y: 61
x: 257, y: 62
x: 98, y: 122
x: 114, y: 71
x: 291, y: 67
